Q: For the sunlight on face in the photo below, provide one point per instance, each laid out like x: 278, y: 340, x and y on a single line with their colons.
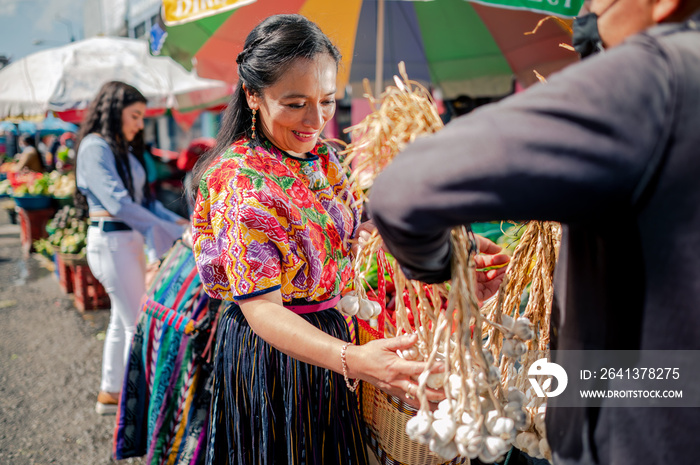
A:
x: 293, y: 112
x: 132, y: 120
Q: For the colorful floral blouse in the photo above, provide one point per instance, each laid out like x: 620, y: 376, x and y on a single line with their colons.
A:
x: 265, y: 220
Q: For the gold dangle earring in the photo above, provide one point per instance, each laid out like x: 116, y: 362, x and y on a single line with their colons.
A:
x: 253, y: 127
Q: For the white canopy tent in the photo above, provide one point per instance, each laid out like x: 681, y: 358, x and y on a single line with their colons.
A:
x: 66, y: 79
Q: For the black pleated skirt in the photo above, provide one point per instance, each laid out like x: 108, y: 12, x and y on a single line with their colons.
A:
x: 271, y: 409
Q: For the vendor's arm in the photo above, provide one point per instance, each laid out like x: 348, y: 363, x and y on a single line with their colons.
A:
x: 375, y: 362
x: 24, y: 160
x: 575, y: 149
x: 98, y: 173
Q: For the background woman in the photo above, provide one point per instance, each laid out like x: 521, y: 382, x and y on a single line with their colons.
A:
x: 29, y: 158
x: 124, y: 219
x: 272, y: 229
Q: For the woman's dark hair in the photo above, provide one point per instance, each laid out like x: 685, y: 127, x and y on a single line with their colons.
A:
x: 28, y: 139
x: 104, y: 117
x: 269, y: 50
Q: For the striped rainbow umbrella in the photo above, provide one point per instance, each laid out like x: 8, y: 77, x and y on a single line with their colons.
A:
x: 458, y: 46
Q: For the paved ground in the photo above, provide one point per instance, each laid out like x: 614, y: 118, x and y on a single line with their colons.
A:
x: 50, y: 358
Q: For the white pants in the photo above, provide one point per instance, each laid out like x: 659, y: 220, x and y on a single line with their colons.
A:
x: 118, y: 262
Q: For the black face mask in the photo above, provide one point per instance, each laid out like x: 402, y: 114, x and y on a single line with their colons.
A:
x: 586, y: 40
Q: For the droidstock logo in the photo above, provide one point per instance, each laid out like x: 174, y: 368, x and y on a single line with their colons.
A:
x: 544, y: 368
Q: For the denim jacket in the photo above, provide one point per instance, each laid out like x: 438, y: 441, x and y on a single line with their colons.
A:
x: 98, y: 180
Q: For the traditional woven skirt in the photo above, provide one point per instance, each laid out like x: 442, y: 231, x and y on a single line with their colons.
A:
x: 271, y: 409
x: 165, y: 400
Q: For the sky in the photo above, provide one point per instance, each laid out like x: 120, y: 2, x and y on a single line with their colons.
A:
x: 24, y: 22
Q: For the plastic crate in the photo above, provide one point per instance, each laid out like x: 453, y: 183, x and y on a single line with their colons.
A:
x: 33, y: 226
x: 87, y: 290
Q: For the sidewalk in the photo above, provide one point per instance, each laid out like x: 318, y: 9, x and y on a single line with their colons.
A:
x: 50, y: 362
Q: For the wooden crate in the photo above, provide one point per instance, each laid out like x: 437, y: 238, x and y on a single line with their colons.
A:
x: 33, y: 226
x: 88, y: 292
x: 64, y: 273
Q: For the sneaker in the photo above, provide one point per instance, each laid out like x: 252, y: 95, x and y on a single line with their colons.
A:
x: 107, y: 403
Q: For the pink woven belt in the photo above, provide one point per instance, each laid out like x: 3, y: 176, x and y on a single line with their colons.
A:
x: 315, y: 307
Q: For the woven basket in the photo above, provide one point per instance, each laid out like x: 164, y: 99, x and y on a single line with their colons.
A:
x: 385, y: 418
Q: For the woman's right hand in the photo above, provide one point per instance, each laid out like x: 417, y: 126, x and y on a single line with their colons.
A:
x: 377, y: 362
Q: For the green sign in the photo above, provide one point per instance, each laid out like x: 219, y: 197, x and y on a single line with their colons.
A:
x: 563, y: 8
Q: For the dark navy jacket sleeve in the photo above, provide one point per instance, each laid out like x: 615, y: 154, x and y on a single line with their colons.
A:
x: 572, y: 150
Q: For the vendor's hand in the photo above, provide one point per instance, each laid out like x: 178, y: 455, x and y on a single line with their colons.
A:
x: 182, y: 222
x: 377, y: 363
x: 364, y: 232
x: 489, y: 280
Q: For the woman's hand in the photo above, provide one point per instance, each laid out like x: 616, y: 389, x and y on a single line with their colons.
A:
x: 491, y: 268
x: 378, y: 363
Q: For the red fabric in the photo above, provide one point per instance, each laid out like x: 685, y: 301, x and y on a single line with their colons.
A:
x: 185, y: 120
x: 191, y: 154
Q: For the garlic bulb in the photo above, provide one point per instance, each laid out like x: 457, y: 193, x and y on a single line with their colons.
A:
x: 455, y: 384
x: 419, y: 428
x: 494, y: 449
x: 523, y: 328
x: 513, y: 348
x: 446, y: 407
x: 502, y: 427
x: 507, y: 323
x: 436, y: 380
x: 409, y: 354
x: 515, y: 395
x: 475, y: 446
x: 349, y: 305
x: 526, y: 442
x: 376, y: 309
x: 494, y: 376
x: 468, y: 420
x: 521, y: 418
x: 444, y: 431
x: 366, y: 309
x: 447, y: 450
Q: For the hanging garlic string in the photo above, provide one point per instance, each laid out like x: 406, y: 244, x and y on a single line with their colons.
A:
x: 486, y: 409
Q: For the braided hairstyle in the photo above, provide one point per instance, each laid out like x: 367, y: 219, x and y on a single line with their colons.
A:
x: 268, y: 52
x: 104, y: 117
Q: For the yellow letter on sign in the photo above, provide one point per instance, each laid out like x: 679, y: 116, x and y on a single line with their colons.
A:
x: 184, y: 11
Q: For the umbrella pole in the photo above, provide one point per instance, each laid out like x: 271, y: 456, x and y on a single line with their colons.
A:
x: 379, y: 64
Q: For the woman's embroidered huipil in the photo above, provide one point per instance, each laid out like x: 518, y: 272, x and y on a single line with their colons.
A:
x: 266, y: 220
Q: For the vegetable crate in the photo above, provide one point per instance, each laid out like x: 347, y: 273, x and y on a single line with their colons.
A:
x: 64, y: 273
x: 87, y: 290
x: 33, y: 226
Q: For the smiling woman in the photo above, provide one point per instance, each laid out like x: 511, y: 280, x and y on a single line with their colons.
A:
x: 272, y: 229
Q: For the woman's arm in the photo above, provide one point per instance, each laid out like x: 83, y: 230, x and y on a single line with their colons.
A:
x: 375, y: 362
